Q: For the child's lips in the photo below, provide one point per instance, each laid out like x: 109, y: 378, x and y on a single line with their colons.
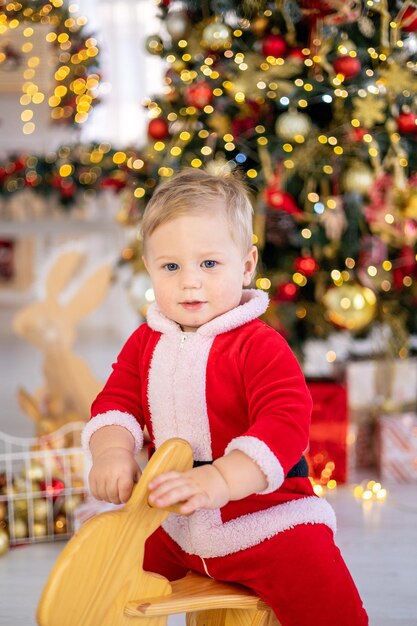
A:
x: 193, y: 305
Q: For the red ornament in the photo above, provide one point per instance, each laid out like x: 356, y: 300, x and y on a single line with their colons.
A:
x: 407, y: 123
x: 274, y: 46
x: 53, y: 489
x: 158, y: 128
x: 409, y: 20
x: 296, y: 54
x: 198, y: 95
x: 357, y: 134
x: 306, y: 265
x: 347, y: 65
x: 286, y: 292
x: 281, y: 200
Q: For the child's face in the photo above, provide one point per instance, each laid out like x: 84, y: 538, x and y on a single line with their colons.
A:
x: 196, y: 268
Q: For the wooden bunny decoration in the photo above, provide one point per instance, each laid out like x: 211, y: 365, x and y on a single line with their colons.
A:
x: 49, y: 325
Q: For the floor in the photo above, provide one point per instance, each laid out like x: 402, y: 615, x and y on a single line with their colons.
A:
x: 377, y: 539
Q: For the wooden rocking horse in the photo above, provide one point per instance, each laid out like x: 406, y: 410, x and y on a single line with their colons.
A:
x: 98, y: 579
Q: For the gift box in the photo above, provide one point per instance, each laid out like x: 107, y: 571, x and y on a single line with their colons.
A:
x: 376, y: 387
x: 398, y: 448
x: 327, y: 454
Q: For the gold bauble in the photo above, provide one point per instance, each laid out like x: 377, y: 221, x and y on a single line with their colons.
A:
x: 20, y: 507
x: 216, y: 36
x: 35, y: 472
x: 41, y: 509
x: 4, y: 542
x: 71, y: 503
x: 3, y: 511
x: 351, y: 307
x: 359, y: 177
x: 40, y: 529
x: 19, y: 529
x: 154, y: 45
x: 291, y: 124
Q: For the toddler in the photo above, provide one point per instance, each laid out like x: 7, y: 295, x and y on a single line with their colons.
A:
x: 204, y: 368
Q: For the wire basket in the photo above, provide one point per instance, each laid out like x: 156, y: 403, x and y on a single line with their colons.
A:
x: 42, y: 483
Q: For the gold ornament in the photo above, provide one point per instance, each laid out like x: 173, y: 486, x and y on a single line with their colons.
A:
x: 352, y: 307
x: 21, y: 507
x: 35, y: 472
x: 3, y: 511
x: 216, y: 36
x: 4, y: 542
x: 71, y: 503
x: 292, y: 124
x: 40, y: 529
x: 358, y: 177
x: 370, y: 110
x: 396, y: 78
x: 41, y: 509
x: 154, y: 45
x: 20, y: 528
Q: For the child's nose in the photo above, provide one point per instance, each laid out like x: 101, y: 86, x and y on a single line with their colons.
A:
x: 191, y: 278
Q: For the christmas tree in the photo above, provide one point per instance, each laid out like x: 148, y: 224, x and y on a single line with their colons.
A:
x: 315, y: 102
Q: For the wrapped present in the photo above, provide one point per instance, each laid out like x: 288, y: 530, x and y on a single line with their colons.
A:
x: 380, y: 383
x: 398, y: 448
x: 376, y: 387
x: 327, y: 454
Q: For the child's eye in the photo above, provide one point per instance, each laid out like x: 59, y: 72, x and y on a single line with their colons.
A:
x: 171, y: 267
x: 209, y: 264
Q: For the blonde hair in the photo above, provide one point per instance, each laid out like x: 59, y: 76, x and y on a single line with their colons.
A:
x: 195, y: 191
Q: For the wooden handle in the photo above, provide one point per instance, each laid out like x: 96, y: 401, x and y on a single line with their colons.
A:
x: 173, y: 455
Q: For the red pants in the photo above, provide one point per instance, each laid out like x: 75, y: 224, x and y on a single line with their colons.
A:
x: 299, y: 573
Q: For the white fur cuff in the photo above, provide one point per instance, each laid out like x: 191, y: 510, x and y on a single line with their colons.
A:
x: 259, y: 452
x: 112, y: 418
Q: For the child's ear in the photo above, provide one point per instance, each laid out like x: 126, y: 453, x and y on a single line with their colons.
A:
x: 251, y: 260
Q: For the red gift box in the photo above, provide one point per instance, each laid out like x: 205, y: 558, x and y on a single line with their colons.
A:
x: 327, y: 454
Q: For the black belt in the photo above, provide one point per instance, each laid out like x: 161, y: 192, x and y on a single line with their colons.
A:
x: 299, y: 470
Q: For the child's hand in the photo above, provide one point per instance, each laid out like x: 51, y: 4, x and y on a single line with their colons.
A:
x: 199, y: 488
x: 113, y: 475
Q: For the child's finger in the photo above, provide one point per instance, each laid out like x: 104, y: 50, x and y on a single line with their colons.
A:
x: 181, y: 493
x: 198, y: 501
x: 169, y: 485
x: 162, y: 478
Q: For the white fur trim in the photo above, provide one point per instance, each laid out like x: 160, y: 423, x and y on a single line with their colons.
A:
x: 177, y: 391
x: 112, y: 418
x: 263, y: 456
x: 254, y: 302
x: 204, y: 534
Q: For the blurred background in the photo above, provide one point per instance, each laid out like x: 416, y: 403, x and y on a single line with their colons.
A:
x: 315, y: 103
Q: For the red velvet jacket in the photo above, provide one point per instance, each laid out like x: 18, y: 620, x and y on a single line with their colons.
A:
x: 233, y: 384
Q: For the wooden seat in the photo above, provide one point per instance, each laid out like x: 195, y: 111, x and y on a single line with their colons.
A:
x: 98, y: 578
